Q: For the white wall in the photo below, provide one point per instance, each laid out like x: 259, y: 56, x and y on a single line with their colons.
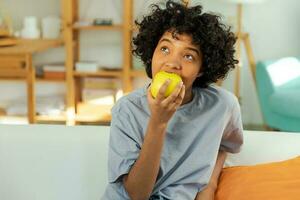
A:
x: 273, y: 28
x: 274, y: 33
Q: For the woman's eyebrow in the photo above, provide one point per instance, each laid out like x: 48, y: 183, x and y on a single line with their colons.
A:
x: 194, y: 49
x: 165, y: 40
x: 188, y: 48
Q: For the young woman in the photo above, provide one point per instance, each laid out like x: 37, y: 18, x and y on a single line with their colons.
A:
x: 174, y: 147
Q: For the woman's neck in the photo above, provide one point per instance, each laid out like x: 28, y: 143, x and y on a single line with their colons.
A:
x: 188, y: 97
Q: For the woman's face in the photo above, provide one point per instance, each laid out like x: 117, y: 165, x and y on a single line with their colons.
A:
x: 178, y: 55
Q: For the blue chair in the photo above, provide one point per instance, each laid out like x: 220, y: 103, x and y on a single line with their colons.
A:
x: 278, y: 86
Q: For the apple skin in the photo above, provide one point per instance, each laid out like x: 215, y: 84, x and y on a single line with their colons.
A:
x: 160, y: 78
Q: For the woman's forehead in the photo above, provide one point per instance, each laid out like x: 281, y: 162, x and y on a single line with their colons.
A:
x: 178, y: 36
x: 182, y: 37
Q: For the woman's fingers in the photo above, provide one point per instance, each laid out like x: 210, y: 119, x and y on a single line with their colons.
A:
x: 182, y: 93
x: 162, y: 90
x: 174, y: 95
x: 173, y: 101
x: 178, y: 101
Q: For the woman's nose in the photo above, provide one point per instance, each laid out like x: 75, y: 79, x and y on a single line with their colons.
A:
x: 173, y: 64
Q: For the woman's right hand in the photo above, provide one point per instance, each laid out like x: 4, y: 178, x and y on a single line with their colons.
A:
x: 163, y: 108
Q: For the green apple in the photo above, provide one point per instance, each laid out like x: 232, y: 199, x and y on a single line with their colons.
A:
x: 160, y: 78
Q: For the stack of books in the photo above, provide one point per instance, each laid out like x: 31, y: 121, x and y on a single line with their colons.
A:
x: 54, y: 71
x: 87, y: 66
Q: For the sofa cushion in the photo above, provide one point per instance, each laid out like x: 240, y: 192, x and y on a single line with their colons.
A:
x: 276, y: 181
x: 286, y: 102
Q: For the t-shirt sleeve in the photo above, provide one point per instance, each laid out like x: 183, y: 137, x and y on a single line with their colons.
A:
x: 232, y: 138
x: 124, y: 147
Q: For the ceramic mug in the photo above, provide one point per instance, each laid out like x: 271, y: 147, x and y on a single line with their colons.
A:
x: 30, y: 29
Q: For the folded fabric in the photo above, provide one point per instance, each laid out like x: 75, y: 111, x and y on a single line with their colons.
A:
x: 272, y: 181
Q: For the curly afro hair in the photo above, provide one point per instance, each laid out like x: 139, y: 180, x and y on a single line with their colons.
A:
x: 216, y: 41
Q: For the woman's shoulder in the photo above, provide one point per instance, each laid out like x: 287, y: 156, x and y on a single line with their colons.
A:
x: 219, y: 94
x: 132, y: 99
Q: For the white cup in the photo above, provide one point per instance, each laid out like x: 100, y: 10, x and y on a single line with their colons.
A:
x: 30, y: 22
x: 30, y: 29
x: 51, y: 27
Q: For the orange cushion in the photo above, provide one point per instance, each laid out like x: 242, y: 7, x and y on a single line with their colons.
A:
x: 272, y: 181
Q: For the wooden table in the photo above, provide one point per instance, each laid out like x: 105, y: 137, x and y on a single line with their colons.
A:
x: 16, y: 63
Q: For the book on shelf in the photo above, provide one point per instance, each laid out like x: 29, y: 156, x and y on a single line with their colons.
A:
x: 82, y: 23
x: 54, y: 75
x: 54, y: 68
x: 87, y: 66
x: 54, y: 71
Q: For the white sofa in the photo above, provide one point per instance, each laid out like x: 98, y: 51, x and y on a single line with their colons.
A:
x: 54, y: 162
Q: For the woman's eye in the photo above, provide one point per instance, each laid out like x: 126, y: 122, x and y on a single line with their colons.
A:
x: 164, y: 49
x: 189, y: 57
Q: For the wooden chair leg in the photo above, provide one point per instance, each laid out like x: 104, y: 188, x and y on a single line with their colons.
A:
x: 250, y: 56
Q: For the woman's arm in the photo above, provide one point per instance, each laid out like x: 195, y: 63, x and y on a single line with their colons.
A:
x: 209, y: 192
x: 140, y: 180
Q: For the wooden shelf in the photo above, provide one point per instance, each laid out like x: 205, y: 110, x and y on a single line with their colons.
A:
x: 79, y: 118
x: 49, y: 118
x: 73, y: 27
x: 6, y: 42
x: 93, y: 113
x: 40, y: 79
x: 138, y: 73
x: 31, y: 46
x: 118, y: 27
x: 4, y: 119
x: 24, y: 49
x: 102, y: 73
x: 87, y: 118
x: 103, y: 119
x: 13, y: 75
x: 4, y: 32
x: 50, y: 79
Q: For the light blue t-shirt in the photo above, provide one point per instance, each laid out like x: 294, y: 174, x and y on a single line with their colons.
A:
x: 196, y: 132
